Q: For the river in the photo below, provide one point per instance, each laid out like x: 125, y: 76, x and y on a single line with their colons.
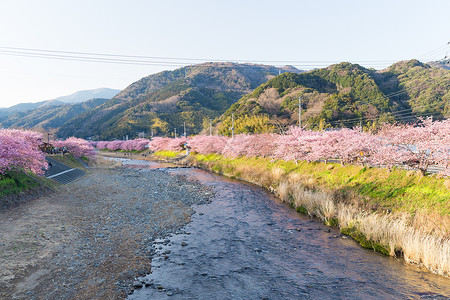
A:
x: 247, y: 244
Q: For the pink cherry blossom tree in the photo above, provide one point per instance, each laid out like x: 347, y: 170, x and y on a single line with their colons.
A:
x: 102, y: 145
x: 135, y: 145
x: 76, y: 146
x: 19, y: 150
x: 205, y: 144
x: 159, y: 143
x: 417, y: 146
x: 296, y: 144
x: 114, y: 145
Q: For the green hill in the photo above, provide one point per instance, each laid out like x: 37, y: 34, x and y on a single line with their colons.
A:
x: 165, y: 101
x: 343, y: 95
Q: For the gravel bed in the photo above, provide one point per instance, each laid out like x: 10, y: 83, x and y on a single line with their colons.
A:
x: 92, y: 238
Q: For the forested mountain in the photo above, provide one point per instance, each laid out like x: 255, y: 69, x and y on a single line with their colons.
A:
x: 50, y: 116
x: 166, y: 100
x: 343, y: 95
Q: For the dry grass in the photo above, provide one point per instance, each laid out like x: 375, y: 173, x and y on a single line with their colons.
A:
x: 393, y: 232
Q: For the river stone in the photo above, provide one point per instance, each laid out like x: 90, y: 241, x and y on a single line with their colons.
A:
x: 148, y: 282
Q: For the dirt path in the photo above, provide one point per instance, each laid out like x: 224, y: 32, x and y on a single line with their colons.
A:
x: 90, y: 239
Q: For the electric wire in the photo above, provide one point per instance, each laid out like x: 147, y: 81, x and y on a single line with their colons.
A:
x: 433, y: 52
x: 190, y: 59
x: 401, y: 115
x: 156, y: 60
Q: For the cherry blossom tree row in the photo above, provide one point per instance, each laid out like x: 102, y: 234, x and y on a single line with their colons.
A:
x: 129, y: 145
x: 416, y: 146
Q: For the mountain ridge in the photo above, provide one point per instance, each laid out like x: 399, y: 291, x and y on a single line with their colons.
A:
x: 343, y: 95
x: 169, y: 99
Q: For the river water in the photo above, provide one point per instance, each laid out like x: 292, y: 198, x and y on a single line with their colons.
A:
x: 247, y: 244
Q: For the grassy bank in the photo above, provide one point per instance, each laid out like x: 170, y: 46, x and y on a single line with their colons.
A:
x: 14, y: 182
x: 69, y: 160
x: 16, y: 187
x: 398, y: 213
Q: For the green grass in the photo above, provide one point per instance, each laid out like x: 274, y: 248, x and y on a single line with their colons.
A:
x: 396, y: 190
x: 14, y: 182
x: 166, y: 154
x: 69, y: 160
x: 363, y: 241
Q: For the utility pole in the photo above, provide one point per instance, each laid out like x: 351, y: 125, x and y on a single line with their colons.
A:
x: 232, y: 125
x: 360, y: 123
x: 175, y: 132
x: 300, y: 112
x: 152, y: 132
x: 184, y: 125
x: 210, y: 127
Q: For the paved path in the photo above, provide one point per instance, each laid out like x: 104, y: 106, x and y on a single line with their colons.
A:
x: 62, y: 173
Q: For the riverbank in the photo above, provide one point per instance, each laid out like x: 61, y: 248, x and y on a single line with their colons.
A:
x: 397, y: 213
x: 91, y: 238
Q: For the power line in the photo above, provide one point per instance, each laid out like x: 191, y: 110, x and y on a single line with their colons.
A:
x: 433, y: 52
x: 156, y: 60
x: 188, y: 59
x: 403, y: 115
x: 89, y: 59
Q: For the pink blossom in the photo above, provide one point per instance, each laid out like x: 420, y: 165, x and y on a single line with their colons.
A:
x: 76, y: 146
x: 417, y: 146
x: 102, y: 145
x: 207, y: 144
x: 257, y: 145
x: 159, y: 143
x: 135, y: 145
x: 19, y: 150
x: 114, y: 145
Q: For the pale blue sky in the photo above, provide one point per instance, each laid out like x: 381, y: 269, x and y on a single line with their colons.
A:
x: 375, y: 33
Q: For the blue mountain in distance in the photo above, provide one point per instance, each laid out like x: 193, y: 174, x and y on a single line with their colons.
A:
x: 82, y: 96
x: 77, y: 97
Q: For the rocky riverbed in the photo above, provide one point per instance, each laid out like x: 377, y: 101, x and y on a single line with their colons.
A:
x: 93, y: 237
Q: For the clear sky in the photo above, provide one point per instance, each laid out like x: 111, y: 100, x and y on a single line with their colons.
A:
x: 307, y: 34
